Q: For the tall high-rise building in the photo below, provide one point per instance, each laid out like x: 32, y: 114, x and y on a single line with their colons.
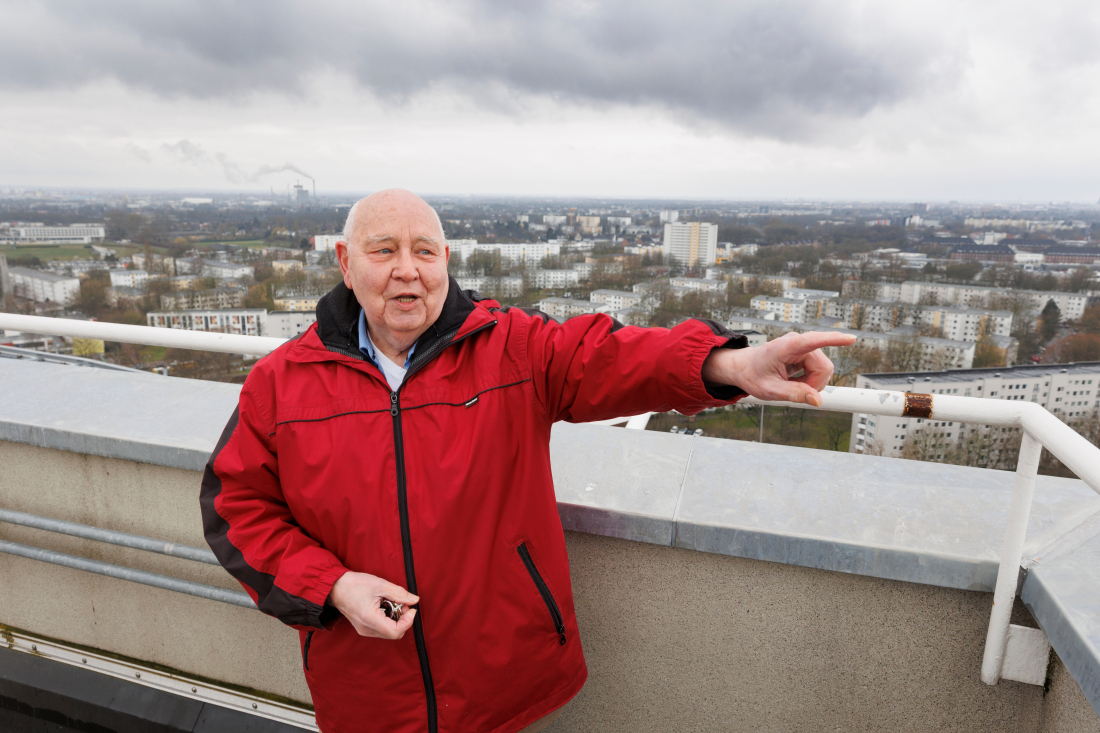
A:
x: 5, y: 279
x: 691, y: 244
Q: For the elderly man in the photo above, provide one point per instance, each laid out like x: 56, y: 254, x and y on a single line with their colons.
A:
x: 389, y: 470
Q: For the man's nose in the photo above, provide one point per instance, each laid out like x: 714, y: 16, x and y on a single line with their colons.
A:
x: 405, y: 268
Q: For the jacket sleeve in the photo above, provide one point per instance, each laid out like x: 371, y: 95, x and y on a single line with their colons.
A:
x: 251, y: 530
x: 594, y: 368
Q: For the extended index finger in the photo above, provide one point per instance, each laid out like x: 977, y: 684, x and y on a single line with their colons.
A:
x: 808, y: 342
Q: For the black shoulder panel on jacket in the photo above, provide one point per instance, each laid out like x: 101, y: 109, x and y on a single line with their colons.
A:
x: 274, y: 601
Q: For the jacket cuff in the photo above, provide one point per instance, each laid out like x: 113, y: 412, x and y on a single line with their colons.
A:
x: 329, y: 614
x: 727, y: 392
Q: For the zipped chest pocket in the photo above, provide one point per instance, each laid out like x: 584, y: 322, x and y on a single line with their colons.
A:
x: 544, y: 591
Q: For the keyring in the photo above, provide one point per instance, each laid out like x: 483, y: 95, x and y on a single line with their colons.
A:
x: 392, y: 610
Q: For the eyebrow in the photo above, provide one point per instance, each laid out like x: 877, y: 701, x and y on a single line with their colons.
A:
x: 391, y: 238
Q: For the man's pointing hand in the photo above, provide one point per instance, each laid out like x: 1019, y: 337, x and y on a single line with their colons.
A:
x: 766, y: 371
x: 359, y: 597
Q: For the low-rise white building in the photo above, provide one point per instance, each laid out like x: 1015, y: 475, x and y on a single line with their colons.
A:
x: 521, y: 253
x: 616, y: 300
x: 1068, y: 390
x: 128, y: 278
x: 288, y: 324
x: 776, y: 282
x: 953, y: 322
x: 928, y: 352
x: 585, y: 270
x: 244, y: 321
x: 326, y: 242
x: 212, y: 299
x: 226, y: 270
x: 296, y: 302
x: 555, y: 278
x: 70, y: 234
x: 564, y: 308
x: 44, y: 287
x: 1072, y: 305
x: 789, y: 310
x: 506, y: 286
x: 701, y: 284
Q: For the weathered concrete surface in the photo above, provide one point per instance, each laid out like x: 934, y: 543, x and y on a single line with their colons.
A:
x: 205, y: 638
x: 1061, y: 591
x: 1065, y: 707
x: 682, y: 640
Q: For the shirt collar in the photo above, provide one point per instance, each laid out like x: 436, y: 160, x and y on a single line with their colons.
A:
x: 367, y: 346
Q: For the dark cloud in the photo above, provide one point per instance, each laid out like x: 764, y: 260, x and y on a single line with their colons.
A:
x: 769, y: 67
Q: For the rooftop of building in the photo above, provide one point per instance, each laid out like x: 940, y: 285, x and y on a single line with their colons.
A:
x: 822, y: 324
x: 40, y: 274
x: 621, y: 293
x: 968, y: 375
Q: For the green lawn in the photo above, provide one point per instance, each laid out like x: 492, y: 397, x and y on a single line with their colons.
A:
x: 46, y: 252
x: 783, y: 426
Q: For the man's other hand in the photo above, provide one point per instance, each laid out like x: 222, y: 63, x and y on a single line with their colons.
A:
x: 359, y: 597
x: 767, y: 371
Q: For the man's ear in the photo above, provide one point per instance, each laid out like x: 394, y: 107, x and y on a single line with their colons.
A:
x: 342, y: 258
x: 446, y: 253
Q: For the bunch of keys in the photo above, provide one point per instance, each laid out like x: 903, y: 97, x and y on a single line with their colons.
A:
x: 392, y: 610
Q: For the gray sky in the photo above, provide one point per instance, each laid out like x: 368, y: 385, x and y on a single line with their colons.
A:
x: 726, y: 99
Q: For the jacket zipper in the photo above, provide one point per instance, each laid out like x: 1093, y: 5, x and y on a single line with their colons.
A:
x: 305, y: 650
x: 403, y: 513
x: 410, y: 571
x: 544, y: 591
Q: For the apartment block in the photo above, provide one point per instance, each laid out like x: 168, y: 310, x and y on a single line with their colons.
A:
x: 244, y: 321
x: 953, y: 322
x: 691, y: 244
x: 493, y: 286
x: 288, y: 324
x: 1068, y: 390
x: 931, y: 353
x: 564, y: 308
x: 1072, y: 305
x: 128, y: 278
x: 555, y: 278
x: 215, y: 298
x: 616, y: 300
x: 44, y: 287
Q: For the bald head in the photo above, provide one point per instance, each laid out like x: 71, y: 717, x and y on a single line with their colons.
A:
x: 389, y: 203
x: 394, y: 259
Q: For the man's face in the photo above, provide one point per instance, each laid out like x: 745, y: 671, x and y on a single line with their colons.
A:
x: 397, y: 267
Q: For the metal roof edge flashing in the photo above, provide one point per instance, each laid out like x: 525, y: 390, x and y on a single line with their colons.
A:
x: 104, y: 446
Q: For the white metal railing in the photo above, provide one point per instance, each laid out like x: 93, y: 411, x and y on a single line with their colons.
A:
x: 1040, y: 429
x: 176, y: 338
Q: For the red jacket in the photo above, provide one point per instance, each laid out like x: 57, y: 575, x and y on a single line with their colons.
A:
x: 443, y: 487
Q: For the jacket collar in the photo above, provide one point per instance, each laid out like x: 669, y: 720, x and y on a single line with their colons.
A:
x: 338, y: 316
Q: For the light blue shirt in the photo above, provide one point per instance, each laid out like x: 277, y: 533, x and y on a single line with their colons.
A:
x: 393, y: 373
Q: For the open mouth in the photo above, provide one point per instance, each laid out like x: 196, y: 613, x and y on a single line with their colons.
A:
x: 406, y: 299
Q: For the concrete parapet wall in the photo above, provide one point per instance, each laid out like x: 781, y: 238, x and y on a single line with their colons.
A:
x: 217, y: 641
x: 675, y: 638
x: 684, y: 640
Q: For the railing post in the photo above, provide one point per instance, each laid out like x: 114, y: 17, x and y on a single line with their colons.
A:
x: 1012, y: 552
